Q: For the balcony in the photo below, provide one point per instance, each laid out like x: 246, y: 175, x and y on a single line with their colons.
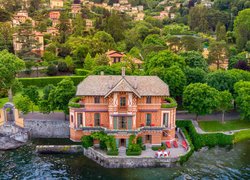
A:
x: 168, y: 102
x: 76, y: 103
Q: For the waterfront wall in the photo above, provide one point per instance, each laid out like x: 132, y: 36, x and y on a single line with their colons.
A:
x: 62, y: 149
x: 128, y: 162
x: 47, y: 128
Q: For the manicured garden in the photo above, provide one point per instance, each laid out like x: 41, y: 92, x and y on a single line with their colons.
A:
x: 212, y: 126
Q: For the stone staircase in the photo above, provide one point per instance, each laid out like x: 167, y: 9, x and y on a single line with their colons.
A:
x: 122, y: 151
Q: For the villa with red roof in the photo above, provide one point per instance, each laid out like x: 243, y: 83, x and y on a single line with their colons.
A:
x: 123, y: 105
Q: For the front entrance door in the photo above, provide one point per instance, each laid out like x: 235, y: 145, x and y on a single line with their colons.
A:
x: 148, y: 139
x: 122, y: 142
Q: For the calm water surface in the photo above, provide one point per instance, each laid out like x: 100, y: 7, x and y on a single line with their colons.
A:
x: 215, y: 163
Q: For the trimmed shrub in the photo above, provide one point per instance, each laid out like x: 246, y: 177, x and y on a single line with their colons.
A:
x: 43, y: 81
x: 87, y: 141
x: 134, y: 148
x: 134, y: 153
x: 51, y: 70
x: 113, y: 152
x: 156, y: 148
x: 62, y: 67
x: 82, y: 72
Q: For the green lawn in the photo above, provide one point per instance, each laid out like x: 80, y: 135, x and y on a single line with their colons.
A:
x: 242, y: 135
x: 211, y: 126
x: 16, y: 96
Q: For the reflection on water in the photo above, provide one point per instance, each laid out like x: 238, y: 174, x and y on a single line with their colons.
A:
x: 215, y: 163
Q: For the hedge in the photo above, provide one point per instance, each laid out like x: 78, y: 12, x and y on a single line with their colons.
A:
x: 130, y: 153
x: 172, y: 103
x: 185, y: 157
x: 82, y: 72
x: 113, y: 152
x: 201, y: 140
x: 87, y: 141
x: 43, y: 81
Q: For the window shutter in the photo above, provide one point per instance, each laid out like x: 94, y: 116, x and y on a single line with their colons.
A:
x: 115, y: 122
x: 129, y: 123
x: 126, y: 143
x: 117, y: 142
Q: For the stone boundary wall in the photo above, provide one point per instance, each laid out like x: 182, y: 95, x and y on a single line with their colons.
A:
x: 59, y: 149
x: 47, y: 128
x: 128, y: 162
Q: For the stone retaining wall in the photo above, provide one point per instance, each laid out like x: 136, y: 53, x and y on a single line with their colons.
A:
x: 47, y: 128
x: 128, y: 162
x: 62, y: 149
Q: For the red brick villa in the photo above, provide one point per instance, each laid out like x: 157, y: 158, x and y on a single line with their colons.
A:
x: 124, y: 105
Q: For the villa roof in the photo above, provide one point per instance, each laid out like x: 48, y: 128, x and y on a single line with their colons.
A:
x: 103, y: 85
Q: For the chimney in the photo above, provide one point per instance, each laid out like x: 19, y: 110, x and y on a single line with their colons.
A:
x: 102, y: 73
x: 123, y: 71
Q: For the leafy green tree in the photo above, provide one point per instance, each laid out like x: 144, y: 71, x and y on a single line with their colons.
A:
x: 46, y: 91
x: 191, y: 43
x: 101, y: 60
x: 175, y: 29
x: 116, y: 25
x: 197, y: 18
x: 10, y: 65
x: 64, y: 26
x: 176, y: 80
x: 70, y: 64
x: 24, y: 104
x: 163, y: 59
x: 225, y: 103
x: 220, y: 32
x: 200, y: 99
x: 106, y: 40
x: 153, y: 39
x: 6, y: 31
x: 4, y: 15
x: 89, y: 62
x: 218, y: 52
x: 26, y: 37
x: 242, y: 90
x: 221, y: 80
x: 194, y: 59
x: 60, y: 96
x: 78, y: 25
x: 242, y: 28
x: 44, y: 106
x: 195, y: 75
x: 32, y: 93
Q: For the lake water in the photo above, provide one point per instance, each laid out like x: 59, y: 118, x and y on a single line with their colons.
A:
x: 215, y: 163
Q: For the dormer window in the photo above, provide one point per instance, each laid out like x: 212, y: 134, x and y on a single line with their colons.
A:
x: 97, y: 99
x: 148, y: 100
